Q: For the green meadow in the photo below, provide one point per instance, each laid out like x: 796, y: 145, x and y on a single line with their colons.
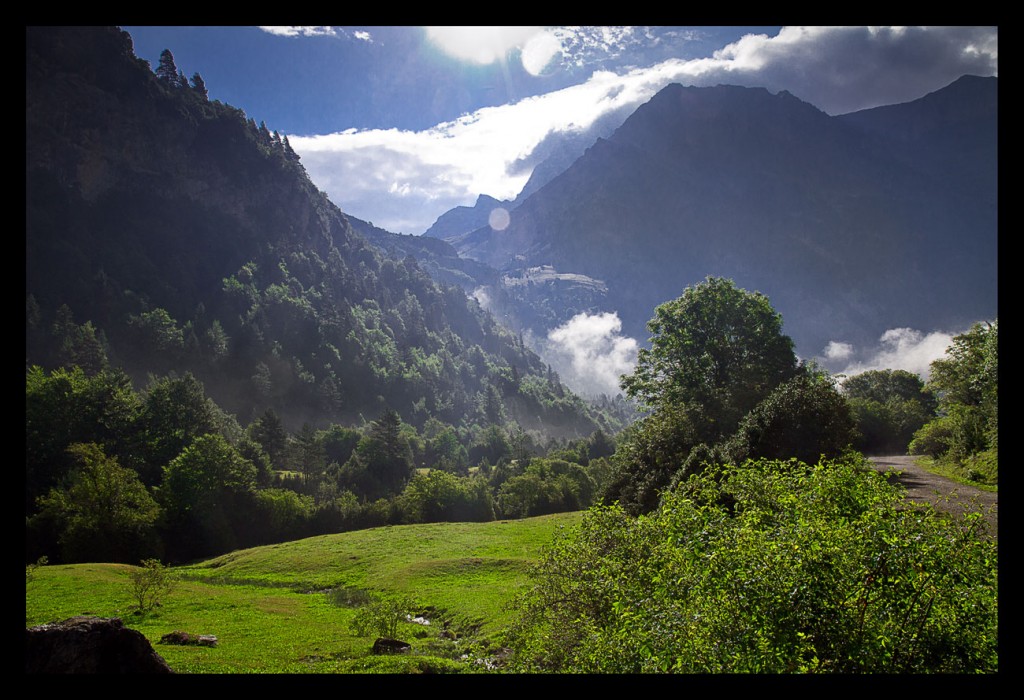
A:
x: 289, y: 608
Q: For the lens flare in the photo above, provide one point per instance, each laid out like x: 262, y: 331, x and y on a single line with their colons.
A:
x: 499, y: 219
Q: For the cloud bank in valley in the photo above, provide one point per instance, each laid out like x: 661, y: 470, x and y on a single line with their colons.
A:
x: 898, y: 348
x: 403, y: 180
x: 590, y: 354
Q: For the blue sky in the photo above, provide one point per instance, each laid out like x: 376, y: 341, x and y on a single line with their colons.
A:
x: 400, y: 124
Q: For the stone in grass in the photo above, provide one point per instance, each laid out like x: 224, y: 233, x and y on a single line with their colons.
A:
x: 390, y: 646
x: 186, y: 639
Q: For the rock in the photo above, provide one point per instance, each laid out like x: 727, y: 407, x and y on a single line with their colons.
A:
x: 390, y: 646
x: 186, y: 639
x: 90, y: 645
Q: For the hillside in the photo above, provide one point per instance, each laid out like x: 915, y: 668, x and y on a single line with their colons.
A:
x: 273, y: 609
x: 168, y: 232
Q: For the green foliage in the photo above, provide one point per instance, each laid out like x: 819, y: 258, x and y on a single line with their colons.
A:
x: 649, y: 455
x: 381, y: 618
x: 150, y: 584
x: 545, y: 486
x: 67, y: 406
x: 176, y: 412
x: 774, y: 567
x: 30, y: 569
x: 805, y: 418
x: 103, y: 513
x: 889, y: 407
x: 716, y: 352
x: 440, y: 496
x: 207, y: 494
x: 967, y: 384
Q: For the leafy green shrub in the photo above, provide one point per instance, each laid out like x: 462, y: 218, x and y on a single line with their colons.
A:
x: 805, y: 417
x: 773, y: 567
x: 30, y: 569
x: 381, y: 618
x: 150, y: 584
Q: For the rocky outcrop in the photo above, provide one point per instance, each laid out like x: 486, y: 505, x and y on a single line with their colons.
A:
x: 90, y: 645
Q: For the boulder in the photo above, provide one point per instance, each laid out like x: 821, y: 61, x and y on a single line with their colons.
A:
x: 390, y: 646
x: 90, y: 645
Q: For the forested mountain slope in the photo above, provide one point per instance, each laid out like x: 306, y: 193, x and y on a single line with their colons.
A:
x: 168, y: 232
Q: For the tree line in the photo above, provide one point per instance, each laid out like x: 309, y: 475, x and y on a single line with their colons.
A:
x: 115, y: 474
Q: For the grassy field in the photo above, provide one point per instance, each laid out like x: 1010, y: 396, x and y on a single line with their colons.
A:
x: 273, y: 609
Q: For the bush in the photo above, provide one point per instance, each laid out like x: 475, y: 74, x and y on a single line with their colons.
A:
x: 381, y: 618
x: 150, y: 584
x: 805, y: 417
x: 773, y: 567
x: 30, y: 569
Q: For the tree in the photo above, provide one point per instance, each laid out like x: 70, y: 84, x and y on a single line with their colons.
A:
x: 67, y: 406
x: 269, y: 432
x: 805, y: 417
x: 206, y: 492
x: 176, y: 412
x: 716, y: 351
x: 969, y: 374
x: 966, y: 433
x: 199, y: 86
x: 889, y: 407
x: 166, y: 71
x: 104, y: 512
x: 289, y: 153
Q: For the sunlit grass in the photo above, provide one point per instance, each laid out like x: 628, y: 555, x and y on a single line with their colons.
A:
x: 270, y: 609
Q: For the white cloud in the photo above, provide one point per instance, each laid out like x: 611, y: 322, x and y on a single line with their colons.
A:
x: 363, y: 36
x: 589, y: 354
x: 837, y: 69
x: 903, y: 348
x: 838, y: 351
x: 301, y: 31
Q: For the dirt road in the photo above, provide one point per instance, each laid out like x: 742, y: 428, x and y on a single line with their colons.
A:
x: 941, y: 492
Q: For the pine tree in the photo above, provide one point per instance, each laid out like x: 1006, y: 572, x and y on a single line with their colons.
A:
x: 199, y: 86
x: 288, y: 152
x: 166, y: 71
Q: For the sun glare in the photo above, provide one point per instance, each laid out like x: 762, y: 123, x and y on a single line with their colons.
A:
x: 481, y: 45
x: 499, y: 219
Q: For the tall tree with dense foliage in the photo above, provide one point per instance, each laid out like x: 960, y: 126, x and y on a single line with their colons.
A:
x: 102, y: 512
x: 68, y: 406
x: 716, y: 352
x: 207, y: 493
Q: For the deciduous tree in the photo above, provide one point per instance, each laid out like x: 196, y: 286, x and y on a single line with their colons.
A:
x: 716, y: 351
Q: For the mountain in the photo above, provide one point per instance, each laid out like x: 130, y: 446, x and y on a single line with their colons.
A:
x: 167, y: 232
x: 852, y: 225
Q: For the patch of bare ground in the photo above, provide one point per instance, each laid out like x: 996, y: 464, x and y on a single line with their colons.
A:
x: 945, y: 494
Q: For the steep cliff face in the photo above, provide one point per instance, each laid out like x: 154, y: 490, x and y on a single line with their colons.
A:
x: 192, y: 239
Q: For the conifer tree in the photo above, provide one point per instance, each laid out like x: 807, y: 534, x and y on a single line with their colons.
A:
x: 166, y: 71
x: 199, y: 86
x: 288, y: 152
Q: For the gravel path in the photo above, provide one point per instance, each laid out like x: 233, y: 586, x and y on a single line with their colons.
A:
x: 943, y: 493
